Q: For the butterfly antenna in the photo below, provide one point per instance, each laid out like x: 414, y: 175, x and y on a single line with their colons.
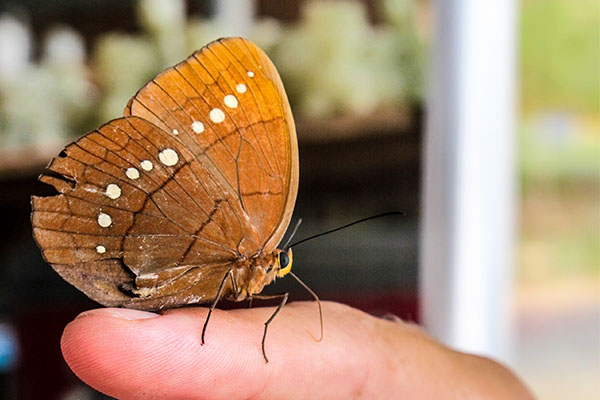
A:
x: 293, y: 233
x: 347, y: 225
x: 318, y: 303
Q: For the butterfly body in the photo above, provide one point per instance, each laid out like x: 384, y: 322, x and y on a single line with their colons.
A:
x: 254, y: 274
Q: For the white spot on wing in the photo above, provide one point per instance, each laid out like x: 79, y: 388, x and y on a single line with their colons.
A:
x: 104, y: 220
x: 147, y: 165
x: 230, y: 101
x: 175, y: 132
x: 251, y: 74
x: 113, y: 191
x: 197, y: 126
x: 168, y: 157
x: 241, y: 88
x: 217, y: 115
x: 132, y: 173
x: 101, y: 249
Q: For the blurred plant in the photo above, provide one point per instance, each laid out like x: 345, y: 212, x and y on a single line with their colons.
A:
x: 335, y: 62
x: 165, y: 21
x: 122, y: 64
x: 406, y: 48
x: 41, y: 103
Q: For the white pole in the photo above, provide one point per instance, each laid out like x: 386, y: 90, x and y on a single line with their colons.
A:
x: 469, y: 177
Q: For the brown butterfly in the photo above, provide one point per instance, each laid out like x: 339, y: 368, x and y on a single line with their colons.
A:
x: 185, y: 198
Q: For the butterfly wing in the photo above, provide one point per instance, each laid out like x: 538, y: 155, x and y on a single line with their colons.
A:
x: 227, y: 103
x: 152, y: 203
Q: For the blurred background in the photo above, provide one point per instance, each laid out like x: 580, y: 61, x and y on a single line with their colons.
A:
x: 357, y: 74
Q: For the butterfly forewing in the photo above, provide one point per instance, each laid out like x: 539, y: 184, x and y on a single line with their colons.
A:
x: 155, y: 207
x: 226, y: 103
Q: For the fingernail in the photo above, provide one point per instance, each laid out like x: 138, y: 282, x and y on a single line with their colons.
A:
x: 122, y: 313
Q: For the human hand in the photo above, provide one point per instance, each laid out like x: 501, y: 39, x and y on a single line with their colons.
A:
x: 132, y: 354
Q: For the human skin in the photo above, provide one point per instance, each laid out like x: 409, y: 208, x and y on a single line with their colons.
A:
x: 132, y: 354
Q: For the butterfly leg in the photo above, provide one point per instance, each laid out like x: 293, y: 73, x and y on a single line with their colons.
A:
x: 283, y: 298
x: 229, y: 274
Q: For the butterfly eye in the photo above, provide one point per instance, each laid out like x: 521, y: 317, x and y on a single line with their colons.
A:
x: 285, y: 263
x: 284, y: 260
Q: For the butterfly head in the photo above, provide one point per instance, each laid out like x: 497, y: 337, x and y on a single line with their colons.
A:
x: 284, y: 262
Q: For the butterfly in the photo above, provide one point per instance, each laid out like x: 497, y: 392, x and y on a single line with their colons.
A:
x: 184, y: 199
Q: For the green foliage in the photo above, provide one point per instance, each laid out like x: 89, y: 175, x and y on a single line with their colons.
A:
x: 560, y: 54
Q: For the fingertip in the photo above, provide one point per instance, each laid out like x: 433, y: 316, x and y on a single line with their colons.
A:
x: 131, y: 354
x: 91, y: 328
